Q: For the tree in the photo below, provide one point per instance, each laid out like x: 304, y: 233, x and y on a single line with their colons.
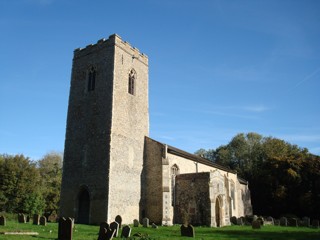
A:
x: 19, y: 179
x: 283, y: 178
x: 50, y: 168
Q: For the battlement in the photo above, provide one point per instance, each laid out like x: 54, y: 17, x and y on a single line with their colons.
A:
x: 116, y: 40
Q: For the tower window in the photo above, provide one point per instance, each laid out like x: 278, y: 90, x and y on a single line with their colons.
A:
x: 91, y: 79
x: 132, y: 79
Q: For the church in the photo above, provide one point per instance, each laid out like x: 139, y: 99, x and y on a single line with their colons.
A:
x: 112, y: 167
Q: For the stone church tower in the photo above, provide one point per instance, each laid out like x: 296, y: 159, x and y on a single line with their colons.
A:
x: 107, y: 122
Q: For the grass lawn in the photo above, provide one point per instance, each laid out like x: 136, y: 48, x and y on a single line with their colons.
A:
x: 85, y: 232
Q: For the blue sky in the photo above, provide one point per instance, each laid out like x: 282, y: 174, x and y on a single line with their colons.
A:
x: 216, y: 68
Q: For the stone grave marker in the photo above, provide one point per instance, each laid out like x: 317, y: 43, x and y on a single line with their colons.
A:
x: 118, y: 219
x: 233, y: 220
x: 145, y: 222
x: 276, y: 222
x: 65, y: 228
x: 256, y: 224
x: 187, y: 231
x: 36, y: 219
x: 154, y: 225
x: 43, y: 221
x: 269, y: 221
x: 240, y: 221
x: 292, y: 222
x: 126, y: 231
x: 21, y: 218
x: 306, y: 222
x: 3, y: 221
x: 136, y: 223
x: 283, y: 222
x: 261, y: 220
x: 105, y: 232
x: 315, y: 223
x: 114, y: 226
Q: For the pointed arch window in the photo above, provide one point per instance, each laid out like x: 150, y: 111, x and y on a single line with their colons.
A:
x: 132, y: 82
x: 174, y: 172
x: 91, y: 79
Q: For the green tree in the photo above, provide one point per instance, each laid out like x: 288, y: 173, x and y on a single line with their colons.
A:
x: 19, y: 178
x: 50, y: 168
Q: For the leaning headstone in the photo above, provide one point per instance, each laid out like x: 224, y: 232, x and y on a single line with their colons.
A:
x: 315, y: 223
x: 43, y: 221
x: 65, y: 228
x: 21, y: 218
x: 118, y: 219
x: 145, y: 222
x: 233, y: 220
x: 105, y: 232
x: 292, y: 222
x: 306, y: 222
x: 36, y: 219
x: 115, y: 227
x: 126, y: 231
x: 154, y: 225
x: 187, y: 231
x: 283, y: 222
x: 102, y: 230
x: 256, y: 224
x: 136, y: 223
x: 2, y: 221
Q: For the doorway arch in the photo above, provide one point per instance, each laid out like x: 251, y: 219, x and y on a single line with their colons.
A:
x: 83, y: 206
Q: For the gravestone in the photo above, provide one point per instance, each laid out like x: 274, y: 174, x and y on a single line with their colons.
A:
x: 36, y: 219
x: 255, y: 217
x: 233, y: 220
x: 187, y: 231
x: 256, y: 224
x: 276, y: 222
x: 114, y: 226
x: 21, y: 218
x: 65, y: 228
x: 43, y: 221
x: 2, y: 221
x: 105, y: 232
x: 315, y: 223
x: 154, y: 225
x: 269, y: 221
x: 240, y: 221
x: 145, y: 222
x: 136, y: 223
x: 118, y: 219
x: 292, y: 222
x: 126, y: 231
x: 261, y: 220
x: 306, y: 222
x: 283, y: 222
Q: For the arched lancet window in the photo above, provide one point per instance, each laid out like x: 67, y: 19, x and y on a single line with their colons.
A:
x: 174, y: 172
x: 91, y: 78
x: 131, y: 83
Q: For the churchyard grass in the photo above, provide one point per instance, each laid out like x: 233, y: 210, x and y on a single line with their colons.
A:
x: 85, y: 232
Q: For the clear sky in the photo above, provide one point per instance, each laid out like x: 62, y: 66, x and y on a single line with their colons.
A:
x: 216, y: 68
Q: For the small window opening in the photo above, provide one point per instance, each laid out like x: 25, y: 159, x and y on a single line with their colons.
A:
x: 131, y: 85
x: 91, y: 79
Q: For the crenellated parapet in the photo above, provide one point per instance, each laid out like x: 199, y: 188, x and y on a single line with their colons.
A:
x: 113, y: 40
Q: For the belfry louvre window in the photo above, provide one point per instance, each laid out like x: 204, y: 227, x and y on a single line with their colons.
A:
x: 91, y: 78
x: 131, y: 83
